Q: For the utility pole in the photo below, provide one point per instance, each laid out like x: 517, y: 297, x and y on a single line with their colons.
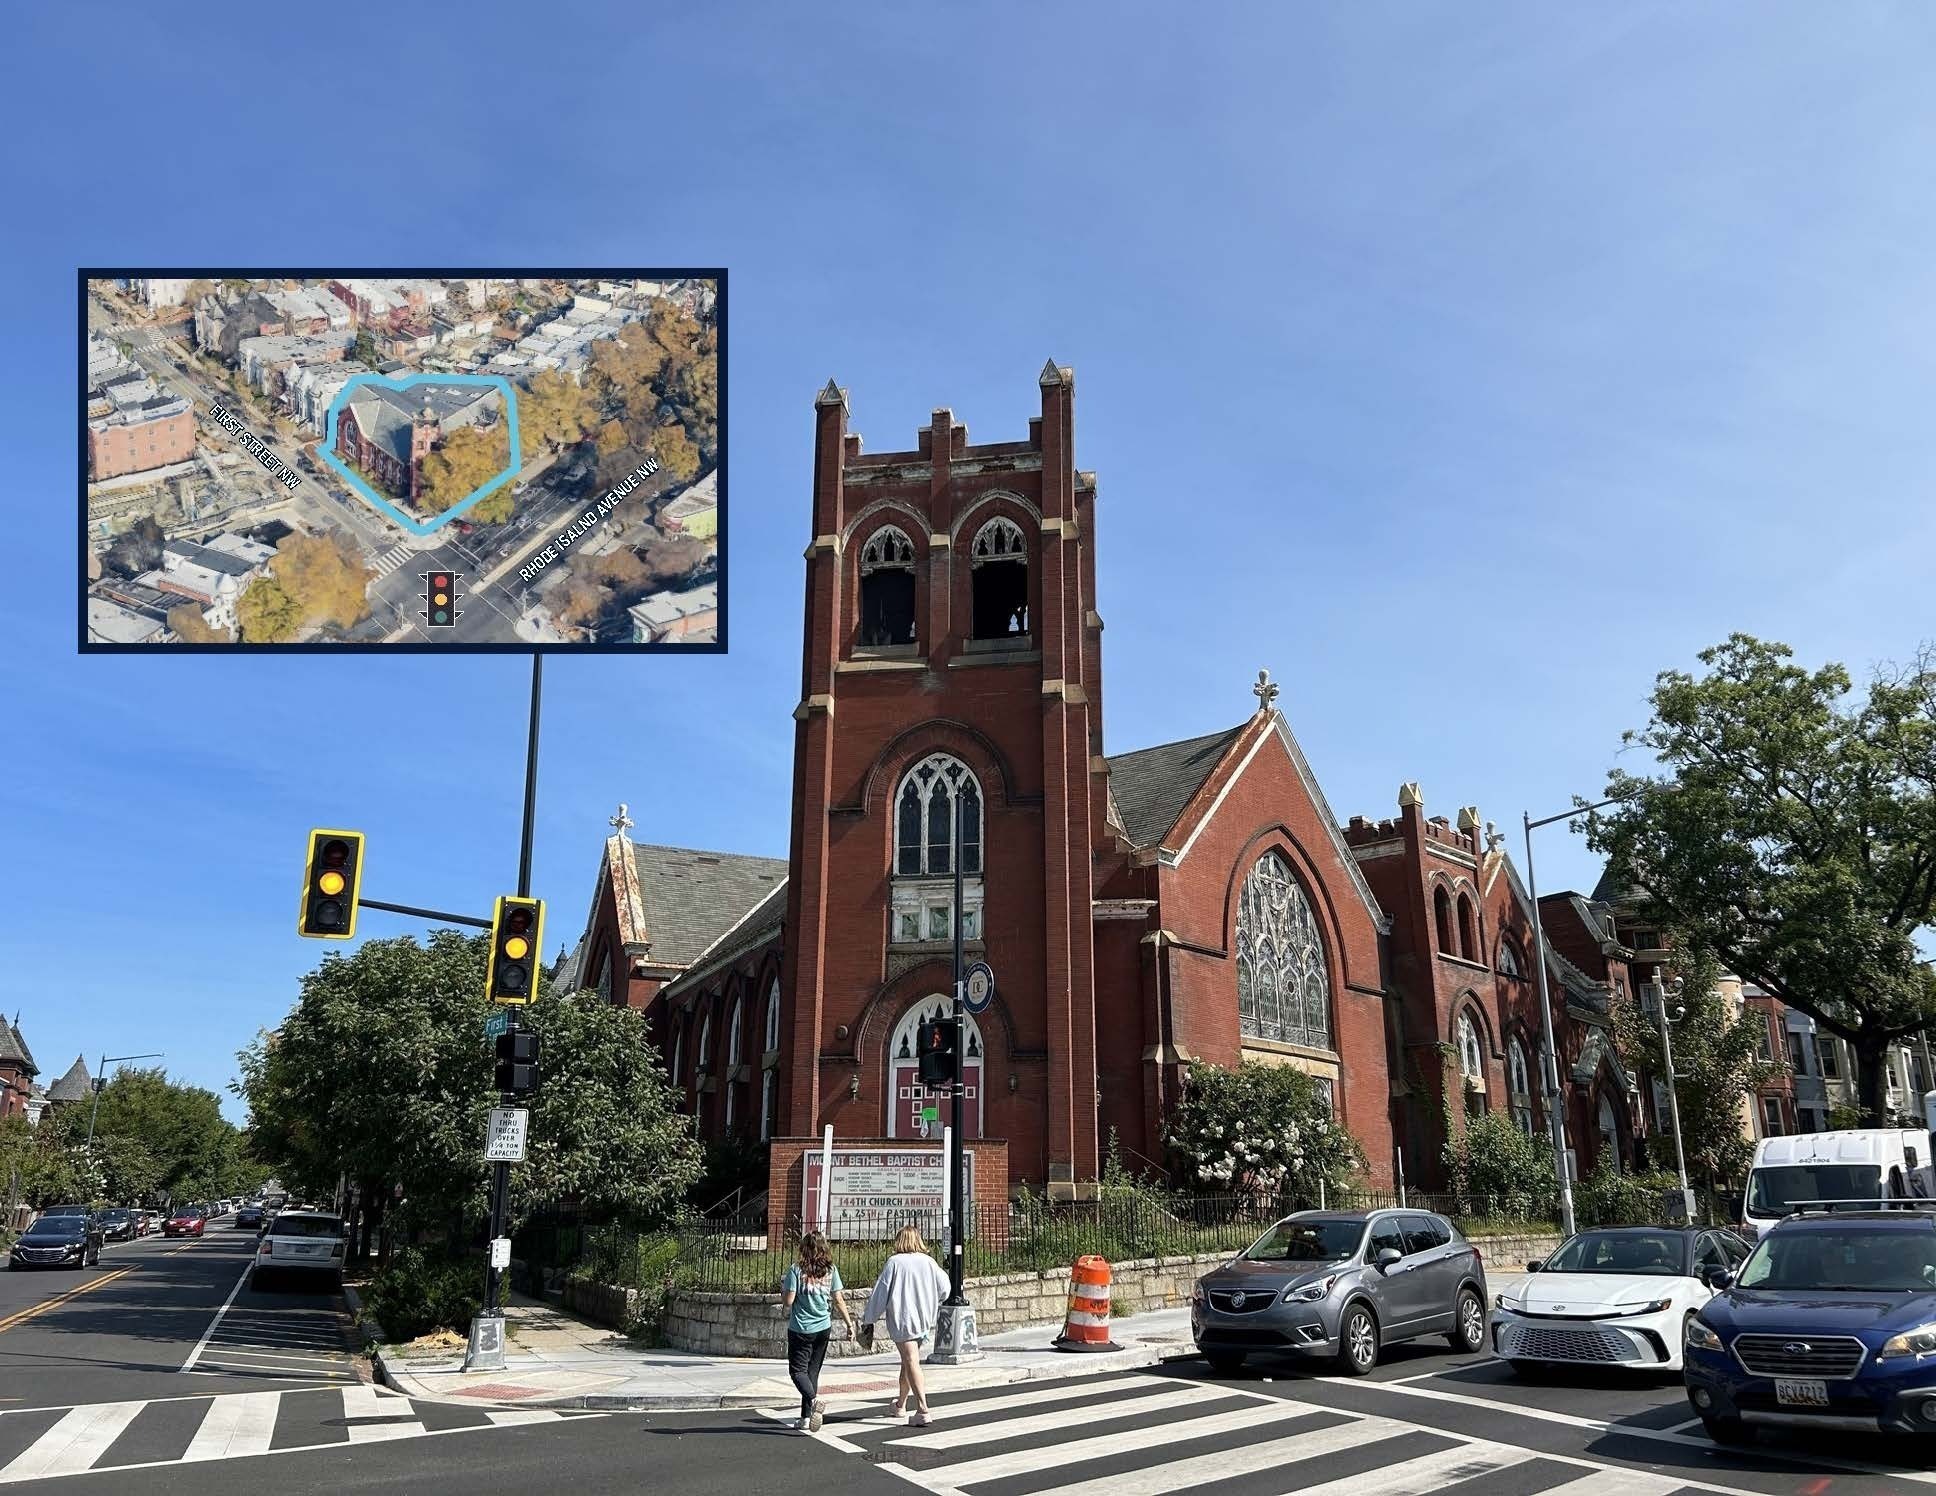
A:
x: 1549, y: 1065
x: 1657, y: 993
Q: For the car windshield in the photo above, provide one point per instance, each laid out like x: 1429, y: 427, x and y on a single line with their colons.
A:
x: 55, y: 1226
x: 66, y: 1210
x: 1855, y: 1258
x: 188, y: 1215
x: 1637, y: 1252
x: 1308, y: 1241
x: 294, y: 1225
x: 1776, y: 1192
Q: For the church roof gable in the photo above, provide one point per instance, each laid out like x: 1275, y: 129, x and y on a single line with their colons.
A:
x: 690, y: 898
x: 1153, y: 786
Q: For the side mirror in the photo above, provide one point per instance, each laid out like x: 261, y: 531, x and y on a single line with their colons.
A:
x: 1719, y: 1278
x: 1535, y: 1265
x: 1387, y: 1259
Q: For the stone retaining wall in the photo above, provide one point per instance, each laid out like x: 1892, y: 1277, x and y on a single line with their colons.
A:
x: 748, y: 1324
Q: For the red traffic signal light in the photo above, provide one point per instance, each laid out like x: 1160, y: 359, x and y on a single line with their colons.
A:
x: 332, y: 879
x: 935, y: 1053
x: 517, y: 935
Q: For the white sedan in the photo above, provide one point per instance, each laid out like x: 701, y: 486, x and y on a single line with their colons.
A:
x: 1618, y: 1296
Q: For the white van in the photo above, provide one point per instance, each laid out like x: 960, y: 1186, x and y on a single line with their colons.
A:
x: 1836, y: 1169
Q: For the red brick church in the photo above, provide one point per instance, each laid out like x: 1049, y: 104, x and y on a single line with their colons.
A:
x: 1193, y: 901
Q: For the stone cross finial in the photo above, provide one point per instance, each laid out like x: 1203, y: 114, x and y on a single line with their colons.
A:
x: 621, y: 822
x: 1265, y: 691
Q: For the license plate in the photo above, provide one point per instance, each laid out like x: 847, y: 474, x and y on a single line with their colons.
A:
x: 1808, y: 1394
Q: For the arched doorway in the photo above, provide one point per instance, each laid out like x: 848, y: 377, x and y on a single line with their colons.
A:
x: 907, y: 1096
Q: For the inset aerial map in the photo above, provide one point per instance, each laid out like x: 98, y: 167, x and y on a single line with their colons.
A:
x: 490, y: 460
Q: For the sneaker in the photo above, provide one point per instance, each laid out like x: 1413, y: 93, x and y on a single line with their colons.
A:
x: 800, y: 1426
x: 819, y: 1410
x: 918, y: 1419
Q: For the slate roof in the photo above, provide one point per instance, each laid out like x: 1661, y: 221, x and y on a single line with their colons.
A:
x: 692, y: 898
x: 759, y: 925
x: 13, y: 1048
x: 1152, y: 785
x: 76, y: 1085
x: 385, y: 413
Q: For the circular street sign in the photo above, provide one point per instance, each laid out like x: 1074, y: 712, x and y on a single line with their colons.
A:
x: 978, y: 987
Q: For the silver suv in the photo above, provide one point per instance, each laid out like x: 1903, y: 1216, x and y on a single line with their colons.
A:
x: 1338, y: 1285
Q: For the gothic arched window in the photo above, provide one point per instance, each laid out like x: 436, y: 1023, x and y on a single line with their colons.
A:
x: 772, y: 1043
x: 887, y: 588
x: 1509, y: 963
x: 1283, y: 983
x: 1442, y: 918
x: 924, y: 834
x: 702, y: 1060
x: 1519, y: 1090
x: 1472, y: 1052
x: 998, y: 559
x: 1468, y: 931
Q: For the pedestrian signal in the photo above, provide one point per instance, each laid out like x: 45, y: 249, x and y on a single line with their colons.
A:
x: 331, y: 881
x: 517, y: 1062
x: 517, y: 934
x: 935, y: 1053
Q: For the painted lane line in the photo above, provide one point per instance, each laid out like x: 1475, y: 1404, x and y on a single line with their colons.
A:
x: 240, y: 1423
x: 1634, y: 1431
x: 209, y: 1333
x: 61, y: 1298
x: 72, y: 1445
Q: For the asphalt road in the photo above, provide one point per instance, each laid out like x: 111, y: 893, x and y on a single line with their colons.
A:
x: 95, y: 1396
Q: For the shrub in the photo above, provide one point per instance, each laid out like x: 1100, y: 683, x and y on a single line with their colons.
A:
x: 1498, y: 1170
x: 415, y: 1293
x: 1606, y: 1197
x: 1259, y: 1129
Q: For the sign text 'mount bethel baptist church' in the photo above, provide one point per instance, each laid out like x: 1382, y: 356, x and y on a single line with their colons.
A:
x: 1193, y: 901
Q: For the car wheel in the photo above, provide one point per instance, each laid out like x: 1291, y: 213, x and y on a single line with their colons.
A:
x: 1469, y: 1323
x: 1357, y: 1342
x: 1728, y: 1431
x: 1225, y: 1363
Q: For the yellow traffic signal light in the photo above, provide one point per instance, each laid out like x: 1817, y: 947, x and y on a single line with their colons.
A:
x: 517, y: 936
x: 332, y: 881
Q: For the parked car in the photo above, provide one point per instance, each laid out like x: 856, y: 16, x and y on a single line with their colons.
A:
x: 1830, y: 1324
x: 57, y: 1241
x: 119, y: 1224
x: 150, y: 1222
x: 188, y: 1221
x: 1620, y: 1296
x: 1339, y: 1285
x: 1855, y: 1169
x: 249, y: 1218
x: 302, y: 1243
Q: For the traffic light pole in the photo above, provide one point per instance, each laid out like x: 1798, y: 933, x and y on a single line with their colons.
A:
x: 955, y: 1340
x: 487, y: 1348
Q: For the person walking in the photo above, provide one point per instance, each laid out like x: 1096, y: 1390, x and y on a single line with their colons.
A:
x: 811, y: 1297
x: 907, y: 1298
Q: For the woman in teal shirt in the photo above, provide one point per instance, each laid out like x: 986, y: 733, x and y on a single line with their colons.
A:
x: 811, y: 1297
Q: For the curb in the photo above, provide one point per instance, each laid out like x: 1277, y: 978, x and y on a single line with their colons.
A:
x: 645, y: 1402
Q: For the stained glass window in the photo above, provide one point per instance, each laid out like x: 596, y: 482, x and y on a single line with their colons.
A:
x: 1283, y: 984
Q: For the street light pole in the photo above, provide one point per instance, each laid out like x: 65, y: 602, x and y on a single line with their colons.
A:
x: 1548, y: 1059
x: 1658, y: 993
x: 101, y: 1080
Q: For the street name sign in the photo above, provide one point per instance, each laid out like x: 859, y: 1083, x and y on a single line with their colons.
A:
x: 504, y: 1142
x: 498, y: 1023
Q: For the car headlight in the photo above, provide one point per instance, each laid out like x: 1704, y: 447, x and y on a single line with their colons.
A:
x: 1652, y: 1306
x: 1920, y: 1341
x: 1701, y: 1337
x: 1506, y: 1301
x: 1310, y: 1293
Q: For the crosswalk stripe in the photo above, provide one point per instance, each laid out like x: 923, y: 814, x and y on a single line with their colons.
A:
x: 1178, y: 1395
x: 365, y: 1401
x: 1425, y: 1473
x: 80, y: 1438
x: 1618, y: 1483
x: 1039, y: 1395
x: 370, y: 1433
x: 238, y: 1423
x: 1074, y: 1452
x: 510, y: 1417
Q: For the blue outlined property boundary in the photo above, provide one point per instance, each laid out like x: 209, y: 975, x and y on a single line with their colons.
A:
x: 382, y: 505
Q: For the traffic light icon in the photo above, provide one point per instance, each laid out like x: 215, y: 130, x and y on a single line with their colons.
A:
x: 517, y: 935
x: 935, y: 1053
x: 517, y: 1062
x: 331, y: 881
x: 440, y: 599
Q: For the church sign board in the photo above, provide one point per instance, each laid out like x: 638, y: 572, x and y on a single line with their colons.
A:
x: 876, y: 1191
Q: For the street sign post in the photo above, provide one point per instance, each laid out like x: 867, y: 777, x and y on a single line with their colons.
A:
x: 955, y: 1339
x: 504, y: 1142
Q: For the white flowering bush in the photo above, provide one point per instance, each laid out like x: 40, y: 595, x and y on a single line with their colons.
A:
x: 1259, y: 1130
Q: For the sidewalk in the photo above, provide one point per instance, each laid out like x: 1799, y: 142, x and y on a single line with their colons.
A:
x: 553, y: 1360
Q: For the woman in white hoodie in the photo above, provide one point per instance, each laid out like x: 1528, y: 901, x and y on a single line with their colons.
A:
x: 907, y: 1298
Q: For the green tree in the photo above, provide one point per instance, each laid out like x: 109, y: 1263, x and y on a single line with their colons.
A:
x: 267, y: 613
x: 1498, y: 1169
x: 366, y: 351
x: 153, y: 1135
x: 1794, y: 835
x: 554, y: 410
x: 1717, y: 1061
x: 1259, y: 1129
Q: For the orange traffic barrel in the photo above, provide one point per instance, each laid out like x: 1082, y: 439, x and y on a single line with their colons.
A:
x: 1086, y: 1328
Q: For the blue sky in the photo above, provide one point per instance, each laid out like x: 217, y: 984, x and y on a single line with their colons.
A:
x: 1463, y: 365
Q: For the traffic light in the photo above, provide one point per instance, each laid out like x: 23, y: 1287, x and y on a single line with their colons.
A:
x: 935, y: 1053
x: 331, y: 881
x: 517, y: 935
x: 517, y: 1062
x: 440, y: 599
